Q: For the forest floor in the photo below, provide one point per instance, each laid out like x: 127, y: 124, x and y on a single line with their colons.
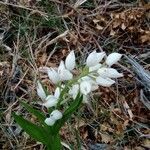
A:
x: 35, y: 33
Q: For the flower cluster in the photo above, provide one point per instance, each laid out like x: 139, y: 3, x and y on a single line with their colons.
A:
x: 95, y: 74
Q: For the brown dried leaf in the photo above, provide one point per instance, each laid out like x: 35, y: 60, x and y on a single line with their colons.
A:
x: 99, y: 27
x: 106, y: 138
x: 146, y: 143
x: 112, y: 32
x: 145, y: 38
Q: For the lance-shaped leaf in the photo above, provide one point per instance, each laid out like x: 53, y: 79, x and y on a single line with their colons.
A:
x: 35, y: 112
x: 36, y: 132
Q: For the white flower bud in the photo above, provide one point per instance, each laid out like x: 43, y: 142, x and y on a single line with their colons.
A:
x: 106, y: 82
x: 53, y: 75
x: 56, y: 115
x: 94, y: 58
x: 49, y: 121
x: 113, y: 58
x: 61, y: 67
x: 85, y: 87
x: 94, y: 68
x: 65, y: 75
x: 70, y: 61
x: 74, y: 91
x: 50, y: 101
x: 40, y: 91
x: 109, y: 72
x: 94, y: 85
x: 57, y: 92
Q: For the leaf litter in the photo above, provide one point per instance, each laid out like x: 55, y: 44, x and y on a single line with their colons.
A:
x: 121, y: 117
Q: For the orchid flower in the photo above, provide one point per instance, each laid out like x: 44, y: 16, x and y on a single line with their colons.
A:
x: 74, y: 91
x: 70, y: 61
x: 63, y: 72
x: 53, y: 75
x: 109, y: 72
x: 106, y: 82
x: 54, y: 116
x: 113, y: 58
x: 52, y: 100
x: 40, y: 91
x: 49, y: 121
x: 94, y: 58
x: 85, y: 87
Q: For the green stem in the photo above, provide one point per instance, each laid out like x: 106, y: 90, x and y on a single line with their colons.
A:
x: 71, y: 82
x: 54, y: 143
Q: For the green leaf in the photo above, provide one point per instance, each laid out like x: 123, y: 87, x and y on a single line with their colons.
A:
x: 36, y: 132
x: 67, y: 114
x: 35, y: 112
x: 40, y: 116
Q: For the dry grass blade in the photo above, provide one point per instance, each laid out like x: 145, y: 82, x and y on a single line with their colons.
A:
x: 78, y: 3
x: 143, y: 75
x: 144, y: 78
x: 57, y: 38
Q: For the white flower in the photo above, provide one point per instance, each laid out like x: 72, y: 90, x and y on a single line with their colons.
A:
x: 49, y: 121
x: 94, y: 58
x: 109, y: 72
x: 40, y: 91
x: 57, y: 92
x: 53, y: 75
x: 64, y: 74
x: 106, y: 82
x: 70, y: 61
x: 85, y: 78
x: 93, y: 83
x: 56, y: 115
x: 61, y: 67
x: 74, y: 90
x: 50, y: 101
x: 94, y: 68
x: 113, y: 58
x: 85, y: 87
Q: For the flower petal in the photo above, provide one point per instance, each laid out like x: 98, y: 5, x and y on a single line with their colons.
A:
x: 74, y: 90
x: 95, y: 68
x: 70, y: 61
x: 113, y: 58
x: 50, y: 101
x: 40, y: 91
x: 85, y: 87
x: 109, y: 72
x: 53, y: 75
x: 106, y: 82
x: 49, y: 121
x: 65, y: 75
x: 56, y: 114
x: 61, y: 67
x: 57, y: 92
x: 94, y: 58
